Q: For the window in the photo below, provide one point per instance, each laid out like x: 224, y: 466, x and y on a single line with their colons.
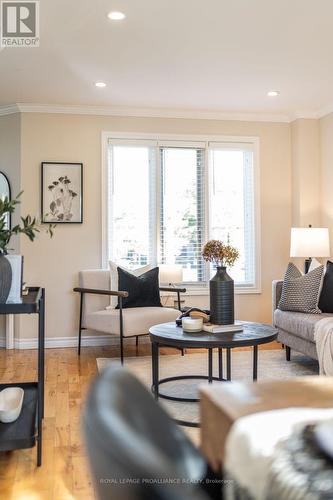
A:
x: 131, y: 231
x: 165, y: 199
x: 182, y: 210
x: 232, y: 208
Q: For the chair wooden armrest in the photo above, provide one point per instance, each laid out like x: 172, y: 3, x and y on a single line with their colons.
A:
x: 172, y: 289
x: 101, y: 292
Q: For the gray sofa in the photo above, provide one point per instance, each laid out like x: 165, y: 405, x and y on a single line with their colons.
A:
x: 296, y: 330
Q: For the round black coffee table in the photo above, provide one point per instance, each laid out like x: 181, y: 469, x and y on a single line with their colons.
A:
x: 170, y: 335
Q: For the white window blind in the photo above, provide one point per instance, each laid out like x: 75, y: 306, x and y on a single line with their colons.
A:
x: 132, y: 205
x: 182, y: 215
x: 232, y: 214
x: 165, y: 199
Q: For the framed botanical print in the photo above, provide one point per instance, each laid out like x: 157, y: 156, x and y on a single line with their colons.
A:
x: 62, y: 185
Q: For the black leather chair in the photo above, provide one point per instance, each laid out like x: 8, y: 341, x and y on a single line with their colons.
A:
x: 136, y: 451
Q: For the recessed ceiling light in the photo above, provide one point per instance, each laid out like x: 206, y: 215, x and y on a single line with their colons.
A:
x: 100, y: 84
x: 273, y: 93
x: 116, y: 16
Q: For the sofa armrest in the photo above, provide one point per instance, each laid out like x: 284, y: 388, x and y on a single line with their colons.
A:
x: 276, y: 295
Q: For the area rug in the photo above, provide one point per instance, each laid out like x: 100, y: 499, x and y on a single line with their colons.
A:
x: 272, y: 365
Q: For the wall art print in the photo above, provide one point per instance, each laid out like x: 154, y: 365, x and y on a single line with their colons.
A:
x: 62, y: 192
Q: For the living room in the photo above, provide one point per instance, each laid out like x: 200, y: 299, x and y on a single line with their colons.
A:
x: 133, y: 136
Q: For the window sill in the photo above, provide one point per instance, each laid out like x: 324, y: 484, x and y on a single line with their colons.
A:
x: 204, y: 291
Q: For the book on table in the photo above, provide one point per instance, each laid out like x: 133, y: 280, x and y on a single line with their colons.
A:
x: 234, y: 327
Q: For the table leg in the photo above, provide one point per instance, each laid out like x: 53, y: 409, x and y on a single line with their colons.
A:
x: 41, y: 353
x: 210, y: 366
x: 41, y: 370
x: 255, y: 362
x: 39, y: 443
x: 220, y: 364
x: 228, y: 363
x: 154, y: 353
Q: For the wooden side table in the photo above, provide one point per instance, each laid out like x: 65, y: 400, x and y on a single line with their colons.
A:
x: 27, y: 429
x: 222, y: 405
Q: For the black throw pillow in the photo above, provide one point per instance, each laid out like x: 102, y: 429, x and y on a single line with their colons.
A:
x: 326, y: 296
x: 143, y: 290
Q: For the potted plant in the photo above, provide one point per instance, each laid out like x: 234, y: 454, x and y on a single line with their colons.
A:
x: 11, y: 265
x: 221, y: 286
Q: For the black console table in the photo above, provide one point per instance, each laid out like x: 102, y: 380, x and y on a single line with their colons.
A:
x: 27, y: 429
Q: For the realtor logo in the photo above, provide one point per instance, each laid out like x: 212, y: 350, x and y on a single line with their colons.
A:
x: 20, y: 23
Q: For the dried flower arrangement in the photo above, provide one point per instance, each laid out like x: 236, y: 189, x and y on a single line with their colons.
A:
x: 219, y: 253
x: 61, y: 204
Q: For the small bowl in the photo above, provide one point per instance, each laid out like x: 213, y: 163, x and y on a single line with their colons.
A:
x: 11, y: 400
x: 192, y: 325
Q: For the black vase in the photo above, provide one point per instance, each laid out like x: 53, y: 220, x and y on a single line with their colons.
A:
x: 221, y: 289
x: 5, y: 278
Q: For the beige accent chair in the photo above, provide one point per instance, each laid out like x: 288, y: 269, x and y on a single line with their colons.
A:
x: 94, y: 290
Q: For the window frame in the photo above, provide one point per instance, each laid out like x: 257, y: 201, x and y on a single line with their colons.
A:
x: 177, y: 140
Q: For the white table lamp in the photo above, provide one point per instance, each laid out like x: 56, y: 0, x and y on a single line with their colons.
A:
x: 308, y: 242
x: 171, y: 274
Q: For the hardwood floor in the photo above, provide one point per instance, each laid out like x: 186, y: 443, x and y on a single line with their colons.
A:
x: 64, y: 473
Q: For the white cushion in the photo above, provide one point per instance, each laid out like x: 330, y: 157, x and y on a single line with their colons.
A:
x: 136, y: 320
x: 114, y: 281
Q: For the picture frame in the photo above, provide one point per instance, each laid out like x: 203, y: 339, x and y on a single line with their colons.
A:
x: 61, y: 192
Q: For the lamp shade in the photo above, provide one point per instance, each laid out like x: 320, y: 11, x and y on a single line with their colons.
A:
x: 309, y: 242
x: 171, y: 273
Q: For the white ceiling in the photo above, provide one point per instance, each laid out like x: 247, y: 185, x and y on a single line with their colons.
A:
x: 208, y: 55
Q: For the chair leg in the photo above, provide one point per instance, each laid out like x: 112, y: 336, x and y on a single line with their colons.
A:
x: 121, y: 349
x: 288, y: 353
x: 182, y: 352
x: 79, y: 344
x: 80, y: 324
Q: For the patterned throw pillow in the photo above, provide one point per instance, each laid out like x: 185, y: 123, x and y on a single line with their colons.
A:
x: 301, y: 292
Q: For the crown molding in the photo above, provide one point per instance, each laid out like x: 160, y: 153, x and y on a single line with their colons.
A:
x: 315, y: 115
x: 304, y: 115
x: 325, y: 111
x: 9, y: 109
x: 73, y: 109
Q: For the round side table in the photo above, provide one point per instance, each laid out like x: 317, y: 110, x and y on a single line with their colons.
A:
x: 170, y: 335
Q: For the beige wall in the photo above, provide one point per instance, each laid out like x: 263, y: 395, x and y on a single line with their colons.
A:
x: 10, y: 155
x: 305, y: 158
x: 10, y: 165
x: 326, y: 174
x: 55, y: 263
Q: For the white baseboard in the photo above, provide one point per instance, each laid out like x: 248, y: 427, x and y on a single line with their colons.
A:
x: 59, y: 342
